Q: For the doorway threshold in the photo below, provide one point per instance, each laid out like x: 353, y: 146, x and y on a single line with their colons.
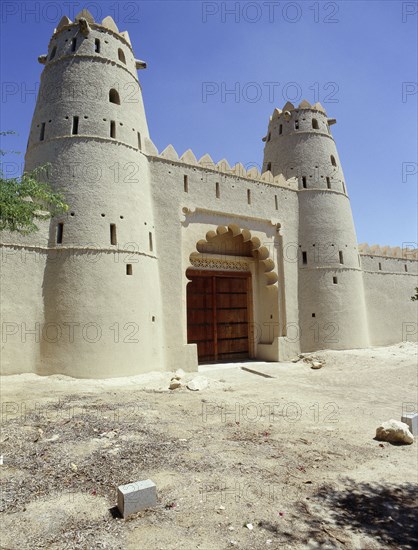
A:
x: 247, y: 365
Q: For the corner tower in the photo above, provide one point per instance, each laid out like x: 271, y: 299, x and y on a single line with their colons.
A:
x: 101, y: 292
x: 332, y: 312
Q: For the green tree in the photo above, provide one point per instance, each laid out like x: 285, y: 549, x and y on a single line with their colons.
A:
x: 26, y: 199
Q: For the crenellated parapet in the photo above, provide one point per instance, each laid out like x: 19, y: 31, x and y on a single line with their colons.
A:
x: 86, y: 26
x: 405, y: 253
x: 205, y: 162
x: 304, y: 104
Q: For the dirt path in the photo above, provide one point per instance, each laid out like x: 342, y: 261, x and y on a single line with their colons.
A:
x: 292, y: 455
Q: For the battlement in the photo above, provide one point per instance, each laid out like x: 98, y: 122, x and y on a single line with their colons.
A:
x: 85, y: 23
x: 388, y: 252
x: 303, y: 105
x: 84, y: 19
x: 206, y: 162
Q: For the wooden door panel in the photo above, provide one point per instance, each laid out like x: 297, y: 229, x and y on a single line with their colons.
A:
x: 205, y: 351
x: 200, y: 316
x: 231, y: 315
x: 228, y: 330
x: 203, y: 332
x: 239, y: 345
x: 218, y: 316
x: 228, y: 301
x: 233, y: 345
x: 199, y: 301
x: 231, y: 284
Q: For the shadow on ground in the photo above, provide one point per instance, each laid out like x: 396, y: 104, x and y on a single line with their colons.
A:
x: 388, y: 513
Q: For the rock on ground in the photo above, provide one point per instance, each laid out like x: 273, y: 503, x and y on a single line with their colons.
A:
x: 198, y: 383
x: 394, y: 431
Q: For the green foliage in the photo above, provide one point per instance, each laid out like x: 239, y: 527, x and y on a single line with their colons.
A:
x: 413, y: 298
x: 27, y: 199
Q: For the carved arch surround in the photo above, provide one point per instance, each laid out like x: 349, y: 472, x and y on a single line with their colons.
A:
x: 228, y: 247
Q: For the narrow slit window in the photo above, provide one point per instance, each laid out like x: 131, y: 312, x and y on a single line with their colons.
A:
x: 304, y: 182
x: 304, y: 258
x: 380, y: 266
x: 128, y: 269
x: 112, y: 233
x: 74, y: 129
x: 186, y: 184
x: 249, y: 196
x: 114, y: 96
x: 268, y: 167
x: 296, y: 125
x: 217, y: 190
x: 313, y: 314
x: 315, y: 124
x: 359, y: 262
x: 281, y: 129
x: 343, y: 187
x: 97, y: 45
x: 333, y: 161
x: 328, y: 183
x: 139, y: 141
x: 112, y: 129
x: 121, y: 56
x: 341, y: 256
x: 53, y: 52
x: 406, y: 268
x: 73, y: 44
x: 276, y: 202
x: 335, y: 280
x: 151, y: 246
x: 269, y: 136
x: 60, y: 232
x: 42, y: 134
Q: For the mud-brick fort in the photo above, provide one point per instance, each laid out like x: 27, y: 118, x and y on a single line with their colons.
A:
x: 164, y: 261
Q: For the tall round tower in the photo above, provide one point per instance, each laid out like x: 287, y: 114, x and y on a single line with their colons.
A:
x: 101, y: 290
x: 332, y: 312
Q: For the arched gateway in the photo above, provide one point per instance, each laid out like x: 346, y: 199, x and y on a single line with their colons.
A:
x: 230, y: 278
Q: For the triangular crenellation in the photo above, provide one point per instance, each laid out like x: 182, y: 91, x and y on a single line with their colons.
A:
x: 85, y: 14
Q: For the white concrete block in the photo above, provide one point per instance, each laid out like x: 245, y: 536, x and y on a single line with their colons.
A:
x: 136, y: 496
x: 412, y: 420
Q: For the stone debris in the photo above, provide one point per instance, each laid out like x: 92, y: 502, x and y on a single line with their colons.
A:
x: 394, y: 431
x: 174, y: 384
x: 314, y: 362
x: 176, y: 380
x: 108, y: 435
x: 53, y: 438
x: 198, y: 383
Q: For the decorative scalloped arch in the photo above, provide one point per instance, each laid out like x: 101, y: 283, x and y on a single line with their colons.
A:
x: 253, y: 244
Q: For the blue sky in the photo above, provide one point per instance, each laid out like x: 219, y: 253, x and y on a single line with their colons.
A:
x: 358, y: 58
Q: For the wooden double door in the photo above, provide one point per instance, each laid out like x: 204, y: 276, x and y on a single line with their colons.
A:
x: 219, y: 314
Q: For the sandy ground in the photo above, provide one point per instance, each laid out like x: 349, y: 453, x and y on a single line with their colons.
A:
x: 293, y: 455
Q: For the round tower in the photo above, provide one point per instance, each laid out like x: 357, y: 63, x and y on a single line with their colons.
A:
x: 101, y: 292
x: 332, y: 312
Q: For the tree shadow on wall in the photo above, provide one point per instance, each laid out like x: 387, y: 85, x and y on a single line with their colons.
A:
x: 385, y: 512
